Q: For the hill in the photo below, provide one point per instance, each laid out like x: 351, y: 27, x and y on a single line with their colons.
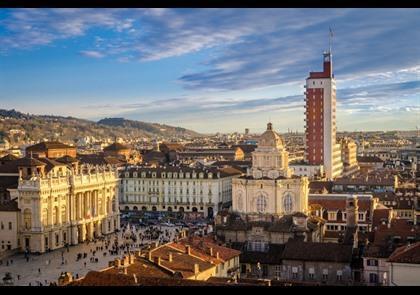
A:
x: 18, y: 127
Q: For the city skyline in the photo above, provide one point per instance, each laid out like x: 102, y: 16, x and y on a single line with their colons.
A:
x: 211, y: 70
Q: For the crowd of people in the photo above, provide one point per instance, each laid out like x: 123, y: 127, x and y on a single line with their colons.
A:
x: 129, y: 238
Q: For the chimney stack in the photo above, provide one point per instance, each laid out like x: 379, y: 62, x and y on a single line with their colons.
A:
x: 217, y: 255
x: 196, y: 269
x: 149, y: 256
x: 170, y: 257
x: 157, y: 260
x: 117, y: 262
x: 211, y: 251
x: 352, y: 211
x: 188, y: 249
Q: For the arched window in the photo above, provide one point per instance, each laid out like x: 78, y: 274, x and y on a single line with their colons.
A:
x: 27, y: 218
x: 45, y: 217
x: 261, y: 203
x: 288, y: 203
x: 55, y: 215
x: 240, y: 202
x: 63, y: 214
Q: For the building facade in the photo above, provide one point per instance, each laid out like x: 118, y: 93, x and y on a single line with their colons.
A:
x: 349, y: 156
x: 50, y: 149
x: 321, y: 147
x: 176, y: 189
x: 9, y: 226
x: 269, y: 188
x: 61, y: 205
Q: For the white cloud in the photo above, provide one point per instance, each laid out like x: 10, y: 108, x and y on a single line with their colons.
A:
x: 92, y: 53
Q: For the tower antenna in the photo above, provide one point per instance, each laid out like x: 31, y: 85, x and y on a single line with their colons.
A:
x: 331, y: 35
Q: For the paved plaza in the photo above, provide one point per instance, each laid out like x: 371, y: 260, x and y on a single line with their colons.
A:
x: 46, y: 268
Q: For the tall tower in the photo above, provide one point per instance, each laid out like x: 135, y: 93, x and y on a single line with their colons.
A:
x: 321, y: 147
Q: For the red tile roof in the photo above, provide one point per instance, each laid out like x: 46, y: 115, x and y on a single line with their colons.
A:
x: 407, y: 254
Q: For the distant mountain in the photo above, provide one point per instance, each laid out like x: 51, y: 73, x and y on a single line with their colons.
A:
x: 69, y: 129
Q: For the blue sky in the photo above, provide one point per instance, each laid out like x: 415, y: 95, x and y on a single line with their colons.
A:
x: 211, y: 69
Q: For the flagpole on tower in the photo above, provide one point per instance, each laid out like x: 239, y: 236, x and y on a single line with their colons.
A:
x: 330, y: 39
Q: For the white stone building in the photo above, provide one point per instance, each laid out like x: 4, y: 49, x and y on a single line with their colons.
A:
x: 63, y: 203
x: 176, y: 189
x: 269, y: 188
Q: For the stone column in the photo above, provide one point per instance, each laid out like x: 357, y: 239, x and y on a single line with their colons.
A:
x: 98, y: 229
x: 89, y: 227
x: 74, y: 236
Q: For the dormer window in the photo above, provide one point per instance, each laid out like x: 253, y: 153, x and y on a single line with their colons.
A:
x: 175, y: 175
x: 163, y: 174
x: 143, y: 174
x: 135, y: 174
x: 332, y: 215
x: 127, y: 174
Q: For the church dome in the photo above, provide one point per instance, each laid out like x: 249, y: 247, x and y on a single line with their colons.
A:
x: 270, y: 138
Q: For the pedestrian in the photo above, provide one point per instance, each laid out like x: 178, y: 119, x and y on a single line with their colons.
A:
x: 18, y: 276
x: 39, y: 270
x: 85, y: 264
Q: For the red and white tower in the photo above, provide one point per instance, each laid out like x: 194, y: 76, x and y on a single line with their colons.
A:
x: 321, y: 147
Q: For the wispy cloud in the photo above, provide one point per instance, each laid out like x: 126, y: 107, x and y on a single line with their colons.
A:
x: 92, y: 53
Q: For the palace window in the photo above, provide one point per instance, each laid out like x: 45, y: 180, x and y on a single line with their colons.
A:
x: 288, y: 203
x: 325, y: 274
x: 294, y: 272
x: 339, y: 275
x: 45, y: 217
x: 311, y: 273
x: 261, y: 203
x: 63, y: 214
x: 27, y: 218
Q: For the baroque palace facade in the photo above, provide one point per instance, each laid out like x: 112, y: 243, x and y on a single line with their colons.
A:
x: 62, y: 202
x: 269, y: 188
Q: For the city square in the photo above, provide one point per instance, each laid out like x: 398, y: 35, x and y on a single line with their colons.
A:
x: 46, y: 268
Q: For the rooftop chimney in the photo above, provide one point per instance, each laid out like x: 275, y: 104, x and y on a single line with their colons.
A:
x: 188, y: 249
x: 117, y: 262
x: 352, y: 211
x: 157, y: 260
x: 170, y: 257
x: 217, y: 255
x: 196, y: 269
x: 149, y: 256
x: 211, y: 251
